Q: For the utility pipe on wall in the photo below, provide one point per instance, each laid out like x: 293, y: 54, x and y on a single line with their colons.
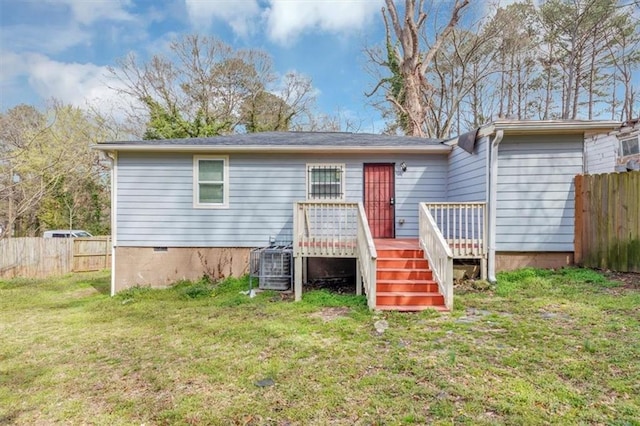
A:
x: 493, y: 197
x: 112, y: 157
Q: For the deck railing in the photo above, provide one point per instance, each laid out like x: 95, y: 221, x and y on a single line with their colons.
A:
x: 325, y: 229
x: 367, y: 257
x: 463, y: 226
x: 437, y: 252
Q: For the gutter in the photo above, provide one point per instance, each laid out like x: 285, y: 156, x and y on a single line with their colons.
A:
x: 493, y: 198
x: 307, y: 149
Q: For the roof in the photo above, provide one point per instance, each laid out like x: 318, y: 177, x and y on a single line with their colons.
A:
x: 285, y: 142
x: 553, y: 126
x: 529, y: 127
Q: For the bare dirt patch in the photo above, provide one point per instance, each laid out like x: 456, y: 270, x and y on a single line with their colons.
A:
x: 630, y: 281
x: 84, y: 292
x: 330, y: 314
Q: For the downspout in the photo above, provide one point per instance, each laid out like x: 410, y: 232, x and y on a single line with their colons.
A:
x: 112, y: 158
x: 493, y: 197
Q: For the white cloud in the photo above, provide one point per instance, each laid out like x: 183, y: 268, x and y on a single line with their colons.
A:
x: 239, y: 14
x: 88, y: 11
x: 72, y: 83
x: 45, y: 38
x: 287, y: 19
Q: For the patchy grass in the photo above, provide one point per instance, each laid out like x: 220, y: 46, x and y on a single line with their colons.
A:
x: 540, y: 347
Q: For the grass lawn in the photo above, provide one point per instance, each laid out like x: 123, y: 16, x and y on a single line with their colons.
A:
x: 542, y: 347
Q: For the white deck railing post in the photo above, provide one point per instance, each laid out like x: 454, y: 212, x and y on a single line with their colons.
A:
x: 463, y: 226
x: 367, y: 257
x: 438, y: 253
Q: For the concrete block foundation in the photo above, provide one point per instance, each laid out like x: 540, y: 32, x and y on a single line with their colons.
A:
x: 161, y: 267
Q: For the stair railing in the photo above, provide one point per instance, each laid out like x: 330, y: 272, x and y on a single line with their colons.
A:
x: 324, y: 229
x: 463, y: 225
x: 437, y: 252
x: 367, y: 257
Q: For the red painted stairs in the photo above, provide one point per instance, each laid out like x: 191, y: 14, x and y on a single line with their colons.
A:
x: 404, y: 281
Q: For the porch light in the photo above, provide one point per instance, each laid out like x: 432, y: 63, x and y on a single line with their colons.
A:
x: 403, y: 166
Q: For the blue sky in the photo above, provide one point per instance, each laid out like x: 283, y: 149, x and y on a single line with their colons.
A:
x: 61, y: 48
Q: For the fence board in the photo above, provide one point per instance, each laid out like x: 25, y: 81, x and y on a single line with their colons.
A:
x: 36, y: 257
x: 91, y: 254
x: 608, y: 221
x: 33, y: 257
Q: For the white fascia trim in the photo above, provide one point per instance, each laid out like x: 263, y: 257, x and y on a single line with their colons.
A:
x: 552, y: 126
x: 427, y: 149
x: 542, y: 127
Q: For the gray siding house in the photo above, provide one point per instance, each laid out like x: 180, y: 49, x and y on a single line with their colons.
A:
x: 403, y: 207
x: 614, y: 151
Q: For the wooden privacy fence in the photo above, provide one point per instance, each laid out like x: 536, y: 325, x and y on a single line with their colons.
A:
x: 91, y: 254
x: 35, y: 257
x: 607, y: 223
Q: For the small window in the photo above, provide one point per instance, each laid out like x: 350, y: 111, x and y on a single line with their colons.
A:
x: 211, y: 182
x: 325, y: 181
x: 630, y: 146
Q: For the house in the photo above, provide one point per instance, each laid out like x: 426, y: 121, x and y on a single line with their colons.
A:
x: 403, y: 207
x: 614, y: 151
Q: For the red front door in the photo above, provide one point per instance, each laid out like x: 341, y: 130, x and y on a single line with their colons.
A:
x: 379, y: 199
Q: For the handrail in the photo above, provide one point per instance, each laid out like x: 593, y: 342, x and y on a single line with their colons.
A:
x: 463, y: 225
x: 438, y: 253
x: 367, y: 257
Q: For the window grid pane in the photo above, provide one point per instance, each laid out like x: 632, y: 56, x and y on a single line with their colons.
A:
x: 211, y: 193
x: 325, y: 182
x: 211, y: 171
x: 210, y: 174
x: 630, y: 146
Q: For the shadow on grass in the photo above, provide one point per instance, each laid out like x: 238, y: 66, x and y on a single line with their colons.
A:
x: 101, y: 284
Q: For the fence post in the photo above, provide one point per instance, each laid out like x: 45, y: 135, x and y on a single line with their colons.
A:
x: 578, y: 220
x: 106, y: 252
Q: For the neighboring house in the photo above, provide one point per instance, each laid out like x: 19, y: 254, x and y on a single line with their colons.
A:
x: 614, y: 151
x: 182, y: 208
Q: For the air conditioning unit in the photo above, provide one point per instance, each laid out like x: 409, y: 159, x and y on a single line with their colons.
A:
x: 272, y: 267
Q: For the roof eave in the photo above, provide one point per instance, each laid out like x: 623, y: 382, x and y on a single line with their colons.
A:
x: 551, y: 126
x: 300, y: 149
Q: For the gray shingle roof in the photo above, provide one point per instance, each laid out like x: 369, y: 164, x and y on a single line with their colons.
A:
x: 290, y: 139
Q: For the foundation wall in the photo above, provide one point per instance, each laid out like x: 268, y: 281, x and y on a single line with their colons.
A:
x: 145, y: 266
x: 508, y: 261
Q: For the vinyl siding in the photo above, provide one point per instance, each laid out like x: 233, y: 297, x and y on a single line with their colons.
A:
x: 535, y: 208
x: 600, y: 154
x: 467, y: 177
x: 155, y: 197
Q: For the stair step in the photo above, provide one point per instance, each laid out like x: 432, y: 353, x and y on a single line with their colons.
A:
x: 403, y: 274
x: 408, y: 298
x: 412, y: 308
x: 412, y: 286
x: 401, y: 253
x: 399, y: 262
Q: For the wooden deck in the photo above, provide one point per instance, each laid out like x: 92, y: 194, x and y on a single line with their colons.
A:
x: 396, y: 243
x: 340, y: 229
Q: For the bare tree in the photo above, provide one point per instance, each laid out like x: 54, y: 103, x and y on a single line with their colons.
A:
x: 206, y: 88
x: 408, y: 57
x: 48, y: 174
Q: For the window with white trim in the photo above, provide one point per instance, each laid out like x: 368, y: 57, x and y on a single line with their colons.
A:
x: 210, y: 181
x: 630, y: 146
x: 325, y: 181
